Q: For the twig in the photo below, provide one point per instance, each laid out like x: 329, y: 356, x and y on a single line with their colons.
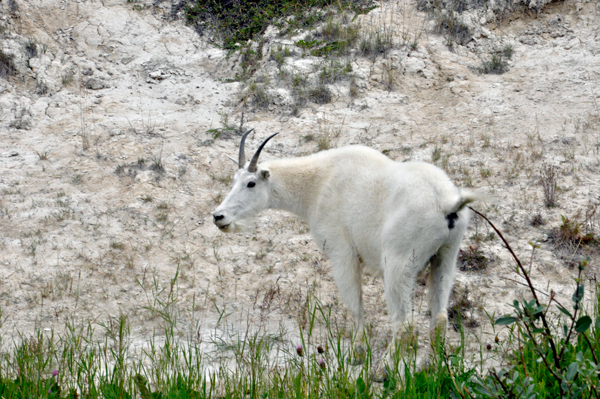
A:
x: 506, y: 389
x: 452, y: 377
x: 523, y: 284
x: 574, y: 317
x: 548, y: 332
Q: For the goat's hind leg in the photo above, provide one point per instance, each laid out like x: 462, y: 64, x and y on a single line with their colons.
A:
x: 400, y: 273
x: 443, y: 272
x: 441, y: 279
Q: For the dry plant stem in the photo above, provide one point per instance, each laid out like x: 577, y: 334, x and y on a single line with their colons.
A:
x: 591, y: 346
x: 524, y: 285
x: 524, y: 364
x: 452, y: 377
x: 548, y: 333
x: 506, y: 389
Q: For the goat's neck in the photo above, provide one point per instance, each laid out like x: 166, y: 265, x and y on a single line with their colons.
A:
x: 294, y: 186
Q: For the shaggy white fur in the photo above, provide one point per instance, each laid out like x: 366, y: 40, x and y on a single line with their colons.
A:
x: 367, y: 213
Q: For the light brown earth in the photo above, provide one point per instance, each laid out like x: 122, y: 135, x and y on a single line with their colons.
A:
x: 93, y: 232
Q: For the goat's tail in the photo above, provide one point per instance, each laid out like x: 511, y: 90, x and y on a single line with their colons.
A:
x: 466, y: 197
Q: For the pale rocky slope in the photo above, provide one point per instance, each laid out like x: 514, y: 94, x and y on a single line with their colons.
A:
x: 120, y: 99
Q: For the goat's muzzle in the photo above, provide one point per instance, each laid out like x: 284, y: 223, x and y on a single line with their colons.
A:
x: 218, y: 220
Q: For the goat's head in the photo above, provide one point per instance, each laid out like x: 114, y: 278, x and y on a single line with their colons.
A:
x: 249, y: 195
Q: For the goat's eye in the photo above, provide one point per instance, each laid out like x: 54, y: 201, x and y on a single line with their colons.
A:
x: 251, y: 184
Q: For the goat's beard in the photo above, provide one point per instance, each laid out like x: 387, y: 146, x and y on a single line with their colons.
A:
x: 239, y: 226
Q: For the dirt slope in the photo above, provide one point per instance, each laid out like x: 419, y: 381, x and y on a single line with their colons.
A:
x: 109, y: 169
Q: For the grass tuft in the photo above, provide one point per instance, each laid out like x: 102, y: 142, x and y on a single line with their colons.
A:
x: 472, y: 260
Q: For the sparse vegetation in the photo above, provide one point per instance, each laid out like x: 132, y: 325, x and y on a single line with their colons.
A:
x: 376, y: 42
x: 31, y: 49
x: 549, y: 182
x: 237, y: 22
x: 460, y: 312
x: 571, y: 234
x: 472, y: 259
x: 156, y: 163
x: 259, y: 96
x: 320, y: 94
x: 43, y: 156
x: 129, y: 231
x: 538, y: 220
x: 498, y: 63
x: 98, y: 359
x: 7, y: 66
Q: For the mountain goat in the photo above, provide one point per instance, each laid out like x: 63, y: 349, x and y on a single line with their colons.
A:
x: 368, y: 213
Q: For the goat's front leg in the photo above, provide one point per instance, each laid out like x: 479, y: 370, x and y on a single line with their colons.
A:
x: 347, y: 277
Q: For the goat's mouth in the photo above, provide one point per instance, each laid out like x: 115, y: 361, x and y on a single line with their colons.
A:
x: 224, y: 227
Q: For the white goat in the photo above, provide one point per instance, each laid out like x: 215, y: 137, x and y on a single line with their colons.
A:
x: 368, y: 213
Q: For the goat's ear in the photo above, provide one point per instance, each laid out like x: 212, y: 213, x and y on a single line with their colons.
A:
x: 265, y: 173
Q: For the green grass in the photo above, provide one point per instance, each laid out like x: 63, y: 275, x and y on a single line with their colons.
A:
x: 77, y: 365
x: 546, y: 350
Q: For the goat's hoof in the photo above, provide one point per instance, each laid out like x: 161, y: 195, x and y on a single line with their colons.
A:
x: 424, y: 365
x: 358, y: 358
x: 360, y: 350
x: 380, y: 375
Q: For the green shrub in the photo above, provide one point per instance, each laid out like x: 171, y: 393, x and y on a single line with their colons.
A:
x: 239, y: 21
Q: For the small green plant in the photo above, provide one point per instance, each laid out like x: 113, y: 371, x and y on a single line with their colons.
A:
x: 436, y: 155
x: 334, y: 71
x: 388, y: 77
x: 324, y: 142
x: 226, y: 129
x: 117, y: 245
x: 43, y: 156
x: 498, y: 63
x: 68, y: 77
x: 485, y: 172
x: 495, y: 65
x: 77, y: 179
x: 570, y: 234
x: 446, y: 15
x: 280, y: 54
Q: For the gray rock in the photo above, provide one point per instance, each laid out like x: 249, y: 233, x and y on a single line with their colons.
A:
x: 94, y: 84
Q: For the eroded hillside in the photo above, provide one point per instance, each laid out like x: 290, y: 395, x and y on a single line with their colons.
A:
x: 116, y: 119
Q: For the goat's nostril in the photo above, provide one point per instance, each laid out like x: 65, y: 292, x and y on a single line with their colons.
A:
x: 218, y: 217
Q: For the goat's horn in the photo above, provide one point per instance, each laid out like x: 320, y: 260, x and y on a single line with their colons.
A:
x: 242, y: 158
x: 254, y: 161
